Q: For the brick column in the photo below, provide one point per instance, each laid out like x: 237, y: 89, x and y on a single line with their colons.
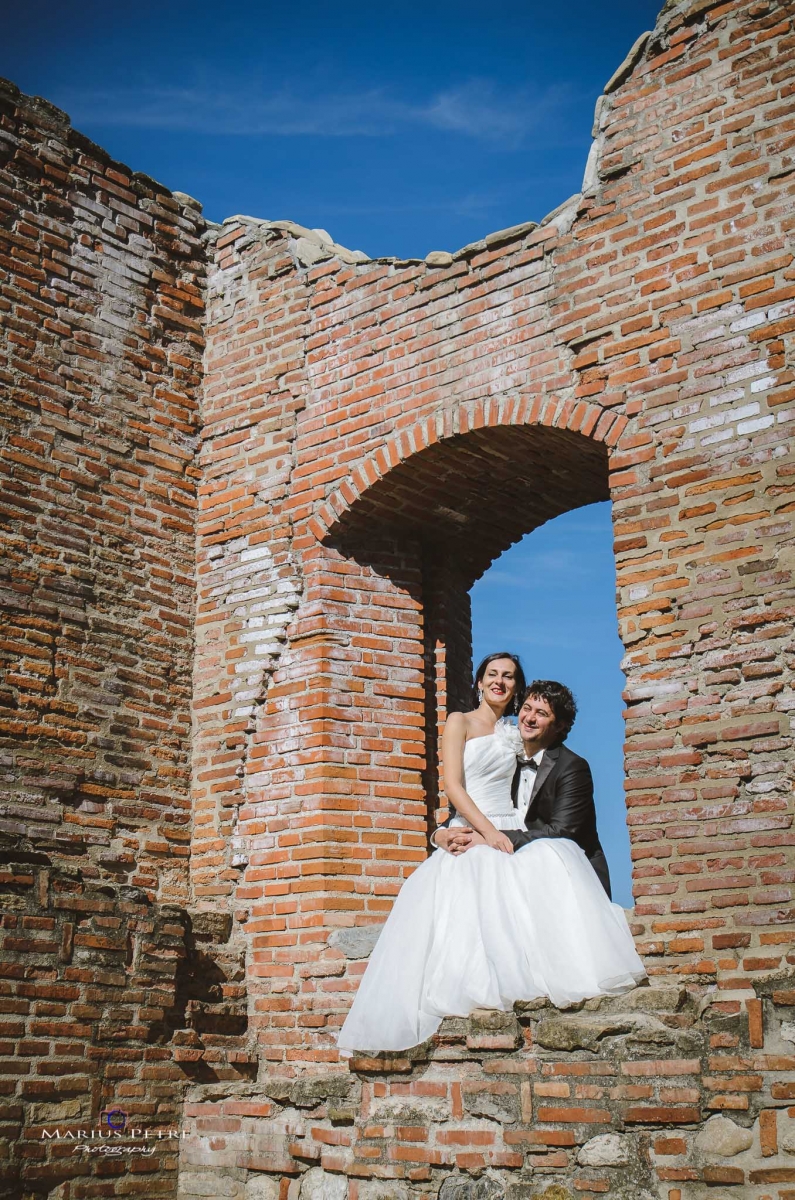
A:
x: 336, y: 813
x: 448, y: 662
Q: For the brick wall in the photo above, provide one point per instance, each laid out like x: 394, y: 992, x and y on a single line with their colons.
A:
x: 636, y: 344
x: 101, y: 303
x: 659, y: 1095
x: 372, y: 435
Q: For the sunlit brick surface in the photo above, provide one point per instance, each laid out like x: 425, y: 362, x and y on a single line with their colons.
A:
x: 298, y: 523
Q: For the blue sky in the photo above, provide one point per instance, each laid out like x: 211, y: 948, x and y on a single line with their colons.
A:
x: 399, y: 128
x: 551, y: 599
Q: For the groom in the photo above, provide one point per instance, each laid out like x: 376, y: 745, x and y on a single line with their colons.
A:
x: 552, y: 787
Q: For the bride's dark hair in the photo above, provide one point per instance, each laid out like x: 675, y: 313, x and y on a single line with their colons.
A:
x: 521, y: 683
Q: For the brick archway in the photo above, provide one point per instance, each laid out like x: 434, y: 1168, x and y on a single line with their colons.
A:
x: 341, y: 772
x: 591, y: 420
x: 460, y: 487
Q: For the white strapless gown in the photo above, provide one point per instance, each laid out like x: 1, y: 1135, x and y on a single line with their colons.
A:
x: 485, y: 928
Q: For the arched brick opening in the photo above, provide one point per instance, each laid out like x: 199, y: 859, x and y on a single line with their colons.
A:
x: 582, y: 417
x: 454, y: 505
x: 341, y: 771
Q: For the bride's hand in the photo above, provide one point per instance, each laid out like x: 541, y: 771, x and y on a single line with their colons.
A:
x: 498, y: 841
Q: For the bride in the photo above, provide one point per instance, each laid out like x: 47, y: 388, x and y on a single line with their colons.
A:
x: 482, y: 926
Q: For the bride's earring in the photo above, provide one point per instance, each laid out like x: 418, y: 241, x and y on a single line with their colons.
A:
x: 480, y: 695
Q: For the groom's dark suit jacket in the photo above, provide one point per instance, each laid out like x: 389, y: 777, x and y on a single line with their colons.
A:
x: 562, y: 806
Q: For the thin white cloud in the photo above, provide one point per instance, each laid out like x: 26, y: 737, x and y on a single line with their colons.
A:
x: 476, y: 108
x: 543, y: 569
x: 472, y: 204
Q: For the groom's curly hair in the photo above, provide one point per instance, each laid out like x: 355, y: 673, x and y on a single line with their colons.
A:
x: 559, y: 698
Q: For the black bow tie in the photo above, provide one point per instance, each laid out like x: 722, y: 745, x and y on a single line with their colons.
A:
x: 529, y: 762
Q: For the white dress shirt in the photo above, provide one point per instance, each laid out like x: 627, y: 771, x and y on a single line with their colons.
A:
x: 527, y: 781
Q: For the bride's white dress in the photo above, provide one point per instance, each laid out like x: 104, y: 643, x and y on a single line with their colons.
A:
x: 484, y: 928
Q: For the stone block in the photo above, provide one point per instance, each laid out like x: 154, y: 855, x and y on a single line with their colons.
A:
x: 664, y: 998
x: 555, y: 1191
x: 65, y: 1110
x: 722, y: 1137
x: 414, y: 1110
x: 311, y: 1090
x: 357, y: 942
x: 586, y: 1032
x: 215, y: 1185
x: 318, y: 1184
x: 383, y: 1189
x: 310, y: 252
x: 462, y: 1187
x: 263, y: 1187
x: 491, y: 1029
x: 495, y: 1103
x: 605, y: 1150
x: 632, y: 58
x: 439, y: 258
x: 211, y: 926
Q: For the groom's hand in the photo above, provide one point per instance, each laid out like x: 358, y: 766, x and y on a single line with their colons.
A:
x: 453, y: 838
x: 457, y: 839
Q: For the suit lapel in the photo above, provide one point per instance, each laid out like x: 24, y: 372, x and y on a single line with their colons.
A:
x: 515, y: 783
x: 548, y: 762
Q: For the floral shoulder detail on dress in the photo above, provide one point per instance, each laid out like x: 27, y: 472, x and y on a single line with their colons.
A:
x: 509, y: 733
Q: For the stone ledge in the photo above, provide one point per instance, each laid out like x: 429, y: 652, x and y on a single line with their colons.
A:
x: 608, y: 1097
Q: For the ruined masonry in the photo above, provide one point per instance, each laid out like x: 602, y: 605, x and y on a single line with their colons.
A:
x: 243, y: 481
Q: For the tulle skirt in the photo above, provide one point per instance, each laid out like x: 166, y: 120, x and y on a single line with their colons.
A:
x: 484, y: 929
